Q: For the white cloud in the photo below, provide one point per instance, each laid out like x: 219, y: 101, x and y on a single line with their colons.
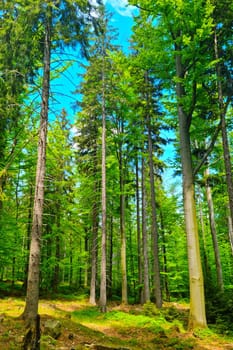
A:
x: 121, y: 6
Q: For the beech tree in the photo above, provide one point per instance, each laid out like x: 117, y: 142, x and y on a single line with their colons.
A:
x: 186, y: 40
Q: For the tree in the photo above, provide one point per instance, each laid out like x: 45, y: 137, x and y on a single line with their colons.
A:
x: 51, y: 32
x: 173, y: 24
x: 18, y: 65
x: 30, y: 313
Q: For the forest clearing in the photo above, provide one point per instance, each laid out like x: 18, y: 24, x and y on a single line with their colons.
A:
x: 131, y: 327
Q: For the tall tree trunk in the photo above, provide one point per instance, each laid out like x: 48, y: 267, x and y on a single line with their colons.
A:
x: 164, y: 250
x: 124, y: 296
x: 29, y: 227
x: 214, y: 232
x: 225, y: 142
x: 139, y: 240
x: 110, y: 257
x: 197, y: 317
x: 103, y: 277
x: 30, y: 313
x: 206, y: 267
x: 146, y: 283
x: 154, y: 228
x: 95, y: 224
x: 71, y: 245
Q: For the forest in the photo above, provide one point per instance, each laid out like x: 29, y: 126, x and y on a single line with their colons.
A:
x: 124, y: 196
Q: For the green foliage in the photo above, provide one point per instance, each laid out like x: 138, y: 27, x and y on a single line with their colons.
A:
x: 150, y: 309
x: 220, y: 312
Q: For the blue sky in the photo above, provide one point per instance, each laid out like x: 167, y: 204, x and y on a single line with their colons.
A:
x: 121, y: 7
x: 64, y: 87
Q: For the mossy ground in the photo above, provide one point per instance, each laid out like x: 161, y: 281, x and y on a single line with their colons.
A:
x: 131, y: 327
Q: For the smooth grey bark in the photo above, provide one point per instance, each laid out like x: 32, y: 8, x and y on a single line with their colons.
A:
x: 197, y: 316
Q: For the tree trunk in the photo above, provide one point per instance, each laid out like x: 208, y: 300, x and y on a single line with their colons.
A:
x: 164, y: 250
x: 30, y: 313
x: 95, y: 224
x: 146, y: 283
x: 197, y: 317
x: 139, y: 240
x: 29, y: 227
x: 124, y: 297
x: 225, y: 142
x: 214, y: 232
x: 103, y: 277
x: 154, y: 228
x: 110, y: 257
x: 71, y: 244
x: 206, y: 267
x: 86, y: 262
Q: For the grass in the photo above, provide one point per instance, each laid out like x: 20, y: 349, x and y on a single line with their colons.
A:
x: 130, y: 327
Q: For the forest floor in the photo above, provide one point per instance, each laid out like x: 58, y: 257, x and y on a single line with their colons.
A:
x: 130, y: 327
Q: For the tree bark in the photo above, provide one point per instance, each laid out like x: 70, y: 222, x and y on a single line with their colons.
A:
x: 94, y: 248
x: 124, y: 296
x: 139, y: 240
x: 164, y: 250
x: 154, y: 228
x: 103, y: 277
x: 197, y: 317
x: 146, y: 282
x: 30, y: 314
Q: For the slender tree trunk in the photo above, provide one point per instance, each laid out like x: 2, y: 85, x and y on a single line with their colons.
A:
x: 103, y: 277
x: 225, y: 142
x: 95, y: 224
x: 132, y: 263
x: 29, y: 227
x: 30, y: 313
x: 124, y: 296
x: 139, y: 240
x: 206, y: 267
x: 71, y: 261
x: 16, y: 220
x: 110, y: 279
x: 154, y: 228
x: 214, y: 232
x: 197, y: 317
x: 164, y: 250
x: 146, y: 283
